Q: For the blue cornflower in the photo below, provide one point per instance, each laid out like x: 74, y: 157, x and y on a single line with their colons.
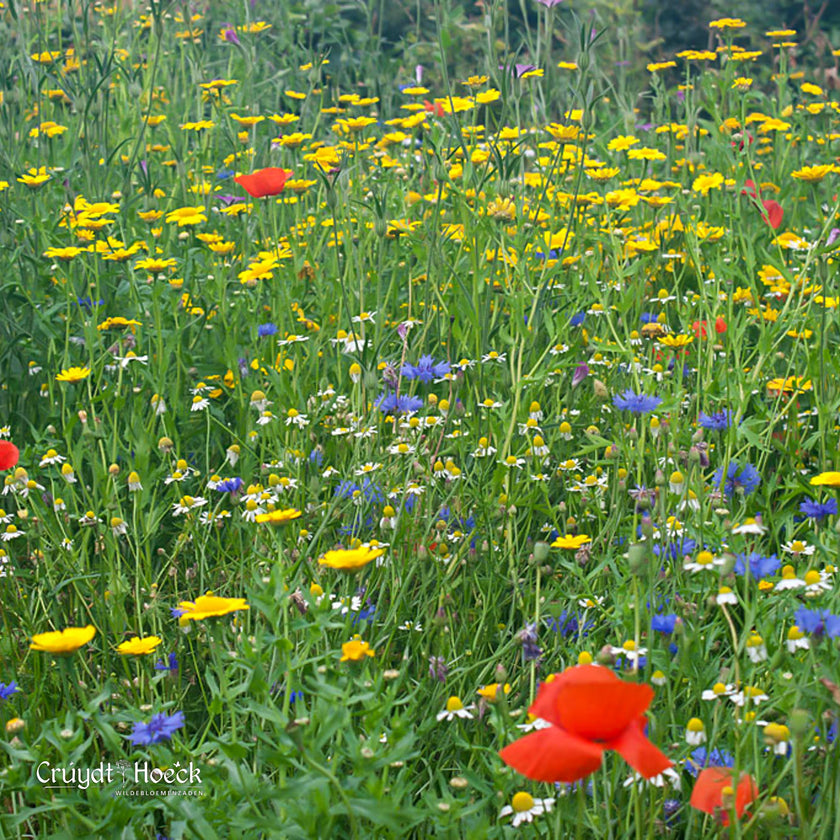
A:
x: 675, y: 550
x: 346, y: 489
x: 759, y: 565
x: 817, y: 622
x: 229, y: 485
x: 365, y: 614
x: 316, y: 456
x: 744, y: 478
x: 664, y: 623
x: 648, y: 318
x: 169, y: 664
x: 176, y: 612
x: 391, y: 403
x: 719, y: 421
x: 267, y: 329
x: 426, y: 369
x: 701, y: 758
x: 6, y: 691
x: 636, y: 403
x: 818, y: 510
x: 577, y: 319
x: 160, y: 728
x: 568, y: 624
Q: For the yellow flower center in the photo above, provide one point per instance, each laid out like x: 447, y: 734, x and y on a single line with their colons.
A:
x: 454, y: 704
x: 522, y: 802
x: 695, y: 725
x: 812, y: 577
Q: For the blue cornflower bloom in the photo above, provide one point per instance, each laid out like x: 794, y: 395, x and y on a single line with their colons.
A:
x: 160, y: 728
x: 6, y: 691
x: 759, y: 565
x: 818, y: 510
x: 531, y: 651
x: 675, y: 550
x: 636, y: 403
x: 719, y: 421
x: 316, y: 456
x: 267, y: 329
x: 229, y: 485
x: 391, y: 403
x: 346, y: 489
x: 701, y: 758
x: 577, y: 319
x: 426, y: 369
x: 664, y: 623
x: 365, y: 614
x: 176, y: 612
x: 568, y: 624
x: 648, y: 318
x: 744, y: 478
x: 169, y: 664
x: 817, y: 622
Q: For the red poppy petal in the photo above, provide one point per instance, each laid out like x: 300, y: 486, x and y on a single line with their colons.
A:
x: 552, y: 755
x: 547, y: 705
x: 746, y: 792
x: 708, y: 788
x: 773, y: 213
x: 9, y: 455
x: 264, y: 182
x: 601, y: 711
x: 635, y: 748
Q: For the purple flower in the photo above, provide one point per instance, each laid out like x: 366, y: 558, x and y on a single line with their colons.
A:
x: 833, y: 236
x: 426, y: 370
x: 549, y: 4
x: 531, y: 651
x: 391, y: 403
x: 6, y: 691
x: 817, y: 622
x: 818, y: 510
x: 230, y: 36
x: 438, y: 668
x: 170, y: 664
x: 229, y: 485
x: 636, y: 403
x: 160, y: 728
x: 720, y: 421
x: 266, y: 329
x: 759, y: 565
x: 227, y: 200
x: 744, y: 478
x: 581, y: 372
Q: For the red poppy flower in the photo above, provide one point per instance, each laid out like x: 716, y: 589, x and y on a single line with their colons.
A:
x: 720, y: 325
x: 8, y: 455
x: 264, y: 182
x: 433, y: 108
x: 590, y: 710
x: 708, y: 793
x: 699, y: 328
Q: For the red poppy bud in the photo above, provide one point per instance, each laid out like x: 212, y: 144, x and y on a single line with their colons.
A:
x: 720, y: 325
x: 699, y: 328
x: 8, y: 455
x: 264, y: 182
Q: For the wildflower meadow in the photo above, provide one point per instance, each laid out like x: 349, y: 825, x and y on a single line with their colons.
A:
x: 418, y: 420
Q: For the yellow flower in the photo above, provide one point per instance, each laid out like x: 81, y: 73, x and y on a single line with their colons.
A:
x: 73, y: 374
x: 187, y: 216
x: 210, y: 606
x: 813, y: 174
x: 138, y: 646
x: 350, y: 558
x: 63, y: 641
x: 355, y: 649
x: 704, y: 183
x: 676, y: 340
x: 278, y: 517
x: 33, y: 178
x: 494, y: 691
x: 571, y: 542
x: 727, y: 23
x: 829, y: 479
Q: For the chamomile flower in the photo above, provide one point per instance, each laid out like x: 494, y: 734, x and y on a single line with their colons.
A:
x: 523, y: 808
x: 455, y: 708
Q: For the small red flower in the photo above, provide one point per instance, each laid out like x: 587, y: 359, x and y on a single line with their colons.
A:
x: 699, y: 329
x: 9, y: 455
x: 720, y: 325
x: 590, y: 710
x: 708, y: 793
x: 264, y: 182
x: 433, y: 107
